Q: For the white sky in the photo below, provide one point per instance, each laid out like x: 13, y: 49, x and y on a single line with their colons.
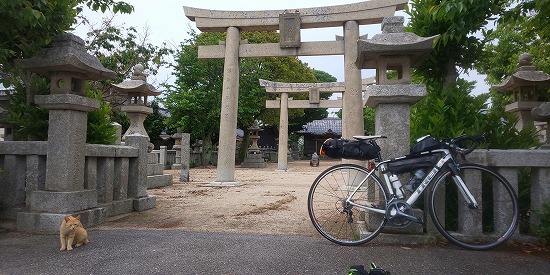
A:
x: 167, y: 22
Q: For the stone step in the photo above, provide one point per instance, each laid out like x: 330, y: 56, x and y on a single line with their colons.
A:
x: 159, y: 181
x: 154, y: 169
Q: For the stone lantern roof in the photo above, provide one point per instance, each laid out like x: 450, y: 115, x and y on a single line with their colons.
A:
x: 137, y: 84
x: 393, y: 41
x: 66, y: 54
x: 137, y: 87
x: 526, y: 79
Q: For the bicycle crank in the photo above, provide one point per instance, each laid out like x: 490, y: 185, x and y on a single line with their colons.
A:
x: 400, y: 213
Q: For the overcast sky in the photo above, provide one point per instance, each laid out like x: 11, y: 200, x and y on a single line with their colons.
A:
x: 167, y: 22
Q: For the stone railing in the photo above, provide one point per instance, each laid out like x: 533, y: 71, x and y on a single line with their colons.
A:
x: 165, y: 157
x: 110, y: 171
x: 507, y: 163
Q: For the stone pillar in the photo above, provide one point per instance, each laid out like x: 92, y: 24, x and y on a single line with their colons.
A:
x: 118, y: 133
x: 352, y: 110
x: 540, y: 193
x: 282, y: 159
x: 230, y: 95
x: 177, y: 147
x: 185, y: 156
x: 137, y: 190
x: 66, y: 139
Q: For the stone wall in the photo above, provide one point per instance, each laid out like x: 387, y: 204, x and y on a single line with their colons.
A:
x: 108, y: 174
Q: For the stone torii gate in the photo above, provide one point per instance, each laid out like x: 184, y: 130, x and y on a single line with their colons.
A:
x: 289, y: 24
x: 283, y: 102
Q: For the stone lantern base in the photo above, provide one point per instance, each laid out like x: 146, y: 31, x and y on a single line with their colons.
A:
x: 254, y: 159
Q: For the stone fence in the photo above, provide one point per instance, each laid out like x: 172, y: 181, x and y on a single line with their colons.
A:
x: 111, y: 171
x: 508, y: 163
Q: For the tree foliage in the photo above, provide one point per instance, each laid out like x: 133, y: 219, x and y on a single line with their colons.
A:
x: 28, y: 25
x: 449, y: 108
x: 456, y: 23
x: 521, y: 29
x: 118, y: 48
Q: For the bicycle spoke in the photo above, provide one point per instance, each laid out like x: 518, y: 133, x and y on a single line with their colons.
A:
x: 334, y: 217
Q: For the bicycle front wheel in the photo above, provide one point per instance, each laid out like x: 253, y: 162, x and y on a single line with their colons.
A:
x: 482, y: 228
x: 340, y: 220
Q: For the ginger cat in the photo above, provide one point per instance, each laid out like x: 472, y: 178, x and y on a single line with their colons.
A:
x: 71, y: 232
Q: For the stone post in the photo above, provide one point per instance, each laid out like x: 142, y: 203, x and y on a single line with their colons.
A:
x: 137, y: 190
x: 542, y: 114
x: 185, y: 156
x: 225, y: 173
x: 177, y: 147
x: 282, y: 158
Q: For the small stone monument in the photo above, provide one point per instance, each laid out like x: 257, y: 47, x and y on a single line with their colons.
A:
x: 185, y: 156
x: 177, y: 147
x: 314, y: 160
x: 524, y: 85
x: 254, y: 158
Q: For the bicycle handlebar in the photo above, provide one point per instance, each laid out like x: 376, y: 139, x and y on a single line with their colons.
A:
x: 454, y: 144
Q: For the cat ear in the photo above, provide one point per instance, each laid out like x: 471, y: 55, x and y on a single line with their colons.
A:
x: 67, y: 219
x: 78, y: 217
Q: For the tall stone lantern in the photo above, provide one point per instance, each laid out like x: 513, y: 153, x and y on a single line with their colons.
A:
x: 524, y: 85
x: 399, y: 51
x: 68, y: 65
x: 137, y: 90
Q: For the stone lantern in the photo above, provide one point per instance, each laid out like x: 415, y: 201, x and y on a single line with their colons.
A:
x: 137, y: 90
x: 254, y: 158
x: 396, y: 50
x: 68, y: 65
x: 524, y: 85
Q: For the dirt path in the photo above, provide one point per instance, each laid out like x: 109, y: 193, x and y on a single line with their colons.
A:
x: 267, y: 202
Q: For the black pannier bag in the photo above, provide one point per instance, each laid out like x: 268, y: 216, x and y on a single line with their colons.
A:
x: 426, y: 143
x: 411, y: 164
x: 343, y: 148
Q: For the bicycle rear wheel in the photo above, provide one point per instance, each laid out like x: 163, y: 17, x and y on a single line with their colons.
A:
x: 336, y: 219
x: 486, y: 227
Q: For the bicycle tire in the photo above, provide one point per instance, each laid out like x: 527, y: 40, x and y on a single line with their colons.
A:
x: 484, y: 228
x: 326, y: 201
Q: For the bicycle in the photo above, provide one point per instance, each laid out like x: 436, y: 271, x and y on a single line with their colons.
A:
x: 471, y: 205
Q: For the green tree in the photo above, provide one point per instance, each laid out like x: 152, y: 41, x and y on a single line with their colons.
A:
x: 28, y: 25
x: 449, y: 108
x: 521, y: 29
x: 456, y: 23
x: 100, y: 130
x: 154, y: 123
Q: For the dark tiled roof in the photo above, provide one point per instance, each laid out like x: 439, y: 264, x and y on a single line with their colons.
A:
x: 324, y: 126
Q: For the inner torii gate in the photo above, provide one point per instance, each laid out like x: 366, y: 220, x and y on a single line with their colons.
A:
x: 314, y: 101
x: 289, y: 24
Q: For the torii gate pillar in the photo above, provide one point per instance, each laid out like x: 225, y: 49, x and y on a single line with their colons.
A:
x: 225, y: 174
